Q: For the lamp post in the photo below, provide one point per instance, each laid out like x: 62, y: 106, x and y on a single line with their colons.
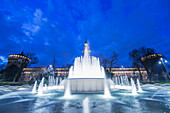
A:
x: 162, y: 61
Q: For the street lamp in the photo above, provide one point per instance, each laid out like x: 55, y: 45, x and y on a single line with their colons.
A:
x: 162, y: 62
x: 50, y: 66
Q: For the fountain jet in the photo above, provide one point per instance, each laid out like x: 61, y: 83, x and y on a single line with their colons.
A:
x: 106, y: 88
x: 34, y: 88
x: 86, y: 105
x: 67, y: 89
x: 40, y: 87
x: 133, y: 87
x: 139, y: 87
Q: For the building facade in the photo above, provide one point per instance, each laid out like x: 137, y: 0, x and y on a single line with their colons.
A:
x: 31, y: 73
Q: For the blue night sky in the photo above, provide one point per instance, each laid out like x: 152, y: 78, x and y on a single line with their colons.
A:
x: 60, y: 27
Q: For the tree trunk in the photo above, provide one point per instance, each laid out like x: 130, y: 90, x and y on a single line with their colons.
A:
x: 16, y: 75
x: 141, y: 79
x: 110, y: 72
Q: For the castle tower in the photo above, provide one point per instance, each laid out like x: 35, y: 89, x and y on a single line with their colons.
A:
x: 18, y: 60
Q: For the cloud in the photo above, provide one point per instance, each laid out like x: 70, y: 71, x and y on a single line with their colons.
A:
x: 3, y: 60
x: 37, y: 16
x: 32, y: 27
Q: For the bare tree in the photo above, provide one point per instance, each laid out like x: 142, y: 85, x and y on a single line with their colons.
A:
x: 103, y: 61
x: 135, y: 58
x: 33, y: 57
x: 112, y: 62
x: 109, y: 62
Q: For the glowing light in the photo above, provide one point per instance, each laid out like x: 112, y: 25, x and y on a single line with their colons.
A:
x: 161, y: 58
x: 166, y: 61
x: 159, y: 62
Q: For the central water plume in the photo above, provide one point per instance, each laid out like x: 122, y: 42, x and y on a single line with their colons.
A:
x: 86, y: 75
x: 86, y: 66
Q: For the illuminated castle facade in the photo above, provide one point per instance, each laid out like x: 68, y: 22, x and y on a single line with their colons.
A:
x: 18, y: 60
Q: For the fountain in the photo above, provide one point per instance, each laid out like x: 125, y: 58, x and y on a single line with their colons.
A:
x: 133, y: 87
x: 106, y: 88
x: 40, y: 87
x: 139, y: 87
x: 56, y: 80
x: 67, y: 89
x: 86, y: 75
x: 86, y: 105
x: 45, y: 87
x: 34, y: 88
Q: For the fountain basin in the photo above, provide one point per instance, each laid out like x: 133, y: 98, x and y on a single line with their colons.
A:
x: 86, y: 84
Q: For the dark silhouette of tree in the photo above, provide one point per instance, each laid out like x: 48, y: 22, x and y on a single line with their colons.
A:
x: 112, y: 61
x: 146, y: 51
x: 109, y: 62
x: 135, y: 58
x: 68, y: 65
x: 103, y: 61
x: 33, y: 57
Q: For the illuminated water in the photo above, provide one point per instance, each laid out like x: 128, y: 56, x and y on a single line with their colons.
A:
x: 34, y: 87
x: 153, y: 99
x: 86, y: 75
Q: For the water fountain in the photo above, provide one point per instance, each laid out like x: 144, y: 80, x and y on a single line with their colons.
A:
x: 45, y: 87
x: 134, y: 92
x: 56, y: 80
x: 86, y: 75
x: 67, y: 93
x: 121, y: 82
x: 34, y: 87
x: 40, y: 87
x: 139, y: 87
x: 86, y: 105
x: 106, y: 88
